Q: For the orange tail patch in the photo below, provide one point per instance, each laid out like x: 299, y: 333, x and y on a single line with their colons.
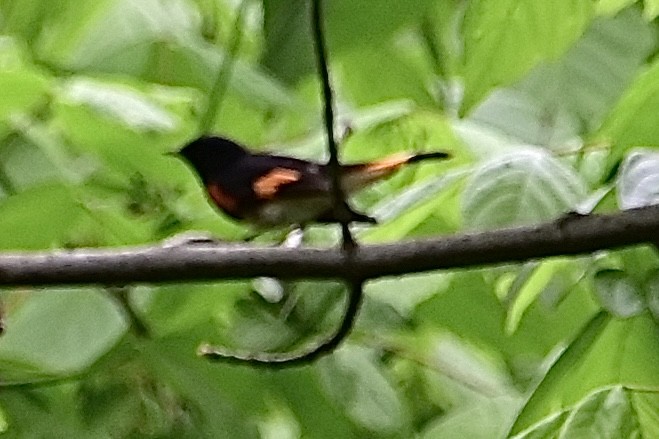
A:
x: 268, y: 185
x: 357, y: 176
x: 387, y: 164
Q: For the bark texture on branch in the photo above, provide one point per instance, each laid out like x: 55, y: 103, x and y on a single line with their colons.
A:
x: 157, y: 263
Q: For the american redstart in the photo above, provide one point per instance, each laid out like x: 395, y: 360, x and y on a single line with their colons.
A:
x: 272, y: 190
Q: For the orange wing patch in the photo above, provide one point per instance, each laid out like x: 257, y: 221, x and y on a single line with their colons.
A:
x: 269, y: 184
x: 223, y: 200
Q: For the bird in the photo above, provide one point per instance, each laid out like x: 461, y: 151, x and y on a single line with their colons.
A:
x: 271, y: 190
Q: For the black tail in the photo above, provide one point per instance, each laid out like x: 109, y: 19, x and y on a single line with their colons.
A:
x: 429, y: 156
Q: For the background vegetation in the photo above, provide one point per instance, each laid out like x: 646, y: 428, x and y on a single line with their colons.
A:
x: 548, y: 106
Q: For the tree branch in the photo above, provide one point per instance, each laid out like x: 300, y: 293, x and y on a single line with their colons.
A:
x: 161, y: 263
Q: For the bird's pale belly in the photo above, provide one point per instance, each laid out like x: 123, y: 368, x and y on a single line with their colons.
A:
x: 288, y: 212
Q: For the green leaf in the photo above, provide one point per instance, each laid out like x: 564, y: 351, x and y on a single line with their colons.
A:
x: 305, y: 392
x: 557, y: 276
x: 558, y: 101
x: 632, y: 122
x: 608, y: 413
x: 362, y: 26
x: 612, y: 7
x: 24, y: 17
x: 367, y: 83
x: 80, y: 39
x: 485, y: 419
x: 176, y: 309
x: 541, y: 327
x: 154, y: 40
x: 420, y: 210
x: 466, y: 364
x: 41, y: 217
x: 288, y: 50
x: 651, y: 10
x: 59, y: 332
x: 127, y: 128
x: 527, y: 187
x: 45, y: 411
x: 228, y: 399
x: 646, y: 406
x: 604, y: 414
x: 309, y: 311
x: 608, y: 352
x: 638, y: 180
x: 418, y: 288
x: 548, y: 428
x: 121, y: 104
x: 23, y: 86
x: 355, y: 382
x: 505, y: 38
x: 652, y: 293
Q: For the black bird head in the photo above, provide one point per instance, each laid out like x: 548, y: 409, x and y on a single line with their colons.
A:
x: 210, y: 155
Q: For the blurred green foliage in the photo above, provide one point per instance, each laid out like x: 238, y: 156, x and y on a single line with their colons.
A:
x: 546, y: 106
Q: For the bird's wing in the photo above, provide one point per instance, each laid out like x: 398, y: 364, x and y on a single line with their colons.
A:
x: 291, y: 178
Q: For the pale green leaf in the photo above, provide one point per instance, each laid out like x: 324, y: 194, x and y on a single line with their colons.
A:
x: 618, y: 294
x: 527, y: 187
x: 638, y: 180
x: 612, y: 7
x: 485, y: 419
x: 120, y: 103
x: 606, y: 414
x: 42, y: 217
x: 561, y: 100
x: 646, y: 406
x: 651, y: 10
x: 23, y: 86
x: 652, y: 294
x: 548, y: 428
x: 60, y: 332
x: 356, y: 383
x: 505, y: 38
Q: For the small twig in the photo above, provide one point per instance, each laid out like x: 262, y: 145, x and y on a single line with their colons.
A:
x: 218, y: 89
x: 341, y: 210
x: 121, y: 297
